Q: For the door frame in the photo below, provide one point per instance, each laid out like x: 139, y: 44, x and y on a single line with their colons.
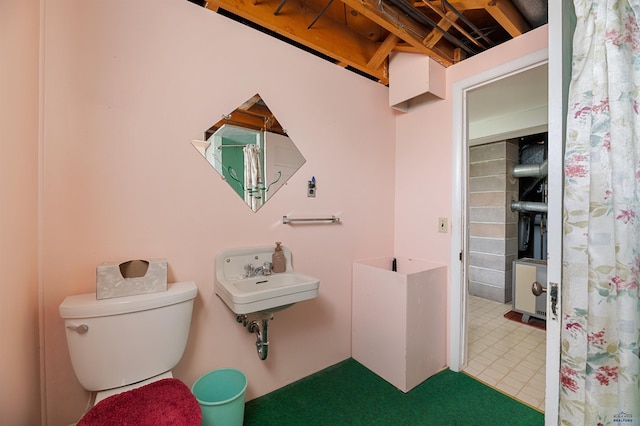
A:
x: 458, y: 274
x: 458, y: 277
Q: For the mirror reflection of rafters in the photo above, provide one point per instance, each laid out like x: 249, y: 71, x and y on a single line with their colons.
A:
x: 251, y: 151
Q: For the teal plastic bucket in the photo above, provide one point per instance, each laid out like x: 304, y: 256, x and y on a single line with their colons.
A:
x: 220, y: 394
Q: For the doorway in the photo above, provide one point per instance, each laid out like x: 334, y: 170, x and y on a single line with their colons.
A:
x: 505, y: 348
x: 558, y: 56
x: 502, y: 112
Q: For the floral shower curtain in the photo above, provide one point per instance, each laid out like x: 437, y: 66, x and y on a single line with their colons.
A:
x: 601, y: 246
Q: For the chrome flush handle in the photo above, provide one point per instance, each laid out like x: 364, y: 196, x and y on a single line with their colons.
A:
x: 80, y: 329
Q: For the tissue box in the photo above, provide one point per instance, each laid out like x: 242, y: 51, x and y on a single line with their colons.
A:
x: 131, y: 278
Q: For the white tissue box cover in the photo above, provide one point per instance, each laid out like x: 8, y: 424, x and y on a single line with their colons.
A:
x: 110, y: 283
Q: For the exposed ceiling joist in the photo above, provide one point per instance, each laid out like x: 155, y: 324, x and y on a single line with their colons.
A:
x: 508, y: 16
x: 326, y: 37
x: 395, y: 21
x: 360, y: 34
x: 383, y: 51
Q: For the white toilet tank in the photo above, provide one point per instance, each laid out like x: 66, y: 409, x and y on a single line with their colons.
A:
x: 124, y: 340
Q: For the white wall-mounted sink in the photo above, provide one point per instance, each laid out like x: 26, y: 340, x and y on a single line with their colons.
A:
x: 260, y: 293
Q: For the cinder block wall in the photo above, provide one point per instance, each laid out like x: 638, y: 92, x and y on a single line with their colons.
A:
x: 493, y: 227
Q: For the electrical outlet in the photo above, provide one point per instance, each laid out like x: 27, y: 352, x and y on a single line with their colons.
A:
x: 443, y: 225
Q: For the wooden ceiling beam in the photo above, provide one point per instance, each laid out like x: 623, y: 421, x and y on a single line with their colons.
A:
x: 460, y: 5
x: 360, y: 34
x: 435, y: 36
x: 448, y: 20
x: 404, y: 47
x: 506, y: 14
x: 327, y: 37
x: 404, y: 28
x: 383, y: 51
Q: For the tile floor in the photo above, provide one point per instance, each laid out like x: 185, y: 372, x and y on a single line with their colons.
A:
x: 505, y: 354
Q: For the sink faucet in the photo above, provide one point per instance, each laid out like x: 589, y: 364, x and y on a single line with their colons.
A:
x: 252, y: 271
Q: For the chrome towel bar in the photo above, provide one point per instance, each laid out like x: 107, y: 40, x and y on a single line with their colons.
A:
x: 290, y: 220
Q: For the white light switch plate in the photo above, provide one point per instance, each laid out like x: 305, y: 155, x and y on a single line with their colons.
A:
x: 443, y: 224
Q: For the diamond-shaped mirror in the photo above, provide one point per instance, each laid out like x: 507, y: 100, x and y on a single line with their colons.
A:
x: 251, y: 151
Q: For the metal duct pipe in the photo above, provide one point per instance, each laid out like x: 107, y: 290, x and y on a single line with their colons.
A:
x: 528, y: 206
x: 530, y: 170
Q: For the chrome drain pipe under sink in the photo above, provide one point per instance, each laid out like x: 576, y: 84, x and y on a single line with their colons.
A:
x: 260, y: 327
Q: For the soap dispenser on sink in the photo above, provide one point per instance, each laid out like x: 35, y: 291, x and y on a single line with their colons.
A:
x: 278, y: 261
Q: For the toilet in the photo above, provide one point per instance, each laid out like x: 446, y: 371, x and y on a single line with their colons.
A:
x: 126, y: 343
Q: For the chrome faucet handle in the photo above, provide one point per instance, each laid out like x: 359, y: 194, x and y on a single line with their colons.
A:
x: 266, y: 268
x: 249, y: 270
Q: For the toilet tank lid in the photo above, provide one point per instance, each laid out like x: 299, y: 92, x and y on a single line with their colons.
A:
x: 87, y: 306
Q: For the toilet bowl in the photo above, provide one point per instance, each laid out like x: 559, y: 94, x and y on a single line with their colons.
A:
x: 124, y: 343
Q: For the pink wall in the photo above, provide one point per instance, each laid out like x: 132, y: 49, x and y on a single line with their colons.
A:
x: 424, y: 156
x: 19, y: 350
x: 127, y: 86
x: 424, y: 139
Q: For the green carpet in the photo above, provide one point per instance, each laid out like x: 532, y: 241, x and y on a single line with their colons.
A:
x: 350, y: 394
